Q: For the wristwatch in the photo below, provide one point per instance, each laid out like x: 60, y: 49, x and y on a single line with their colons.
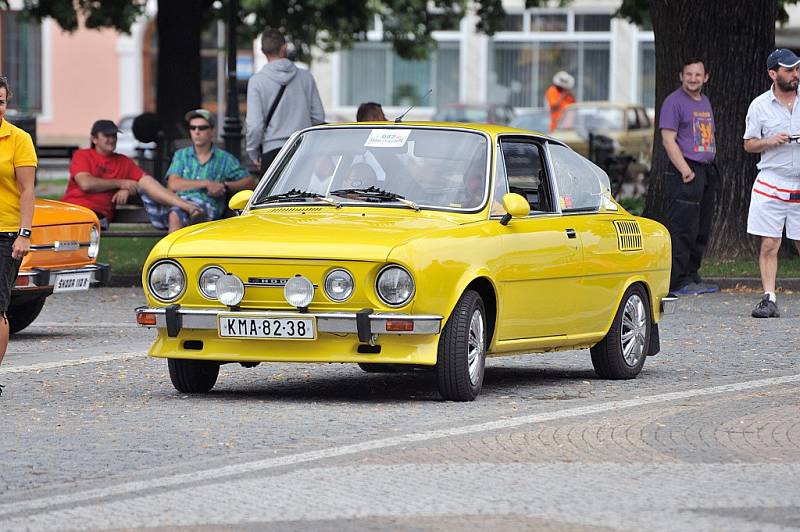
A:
x: 24, y: 232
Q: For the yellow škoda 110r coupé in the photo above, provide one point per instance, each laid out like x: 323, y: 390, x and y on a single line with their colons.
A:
x: 422, y: 244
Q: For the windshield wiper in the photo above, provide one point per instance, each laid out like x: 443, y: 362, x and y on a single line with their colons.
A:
x: 375, y: 194
x: 295, y: 194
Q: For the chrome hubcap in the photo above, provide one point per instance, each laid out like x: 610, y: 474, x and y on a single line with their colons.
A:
x: 476, y: 346
x: 634, y: 330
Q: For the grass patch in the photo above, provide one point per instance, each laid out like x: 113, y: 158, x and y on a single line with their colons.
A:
x: 635, y: 206
x: 126, y: 255
x: 747, y: 267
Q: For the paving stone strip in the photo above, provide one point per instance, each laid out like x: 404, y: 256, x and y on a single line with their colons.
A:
x: 176, y: 482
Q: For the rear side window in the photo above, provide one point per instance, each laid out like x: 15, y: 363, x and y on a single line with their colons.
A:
x: 526, y: 173
x: 579, y: 186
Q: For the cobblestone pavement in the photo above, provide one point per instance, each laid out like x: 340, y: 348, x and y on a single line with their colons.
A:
x: 707, y: 438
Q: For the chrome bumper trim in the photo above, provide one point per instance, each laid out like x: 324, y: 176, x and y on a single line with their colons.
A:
x: 42, y: 278
x: 330, y: 322
x: 668, y: 304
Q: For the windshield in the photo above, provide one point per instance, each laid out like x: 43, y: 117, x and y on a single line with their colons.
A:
x: 592, y: 118
x: 401, y: 166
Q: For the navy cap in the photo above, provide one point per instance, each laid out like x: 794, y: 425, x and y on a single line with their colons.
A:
x: 107, y: 127
x: 782, y: 57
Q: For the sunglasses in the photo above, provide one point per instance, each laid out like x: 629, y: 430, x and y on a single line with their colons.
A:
x: 199, y: 128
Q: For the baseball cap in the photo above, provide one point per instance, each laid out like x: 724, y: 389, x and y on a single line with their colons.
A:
x: 564, y: 80
x: 782, y: 57
x: 208, y: 116
x: 106, y: 127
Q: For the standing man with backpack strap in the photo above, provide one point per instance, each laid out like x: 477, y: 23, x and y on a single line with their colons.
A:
x: 281, y: 99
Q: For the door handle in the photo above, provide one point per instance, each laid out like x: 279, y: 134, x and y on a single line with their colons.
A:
x: 571, y: 233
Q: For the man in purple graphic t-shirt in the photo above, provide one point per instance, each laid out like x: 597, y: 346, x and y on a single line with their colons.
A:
x: 688, y: 135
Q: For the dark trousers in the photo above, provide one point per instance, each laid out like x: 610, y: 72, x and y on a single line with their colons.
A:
x: 689, y: 212
x: 266, y: 159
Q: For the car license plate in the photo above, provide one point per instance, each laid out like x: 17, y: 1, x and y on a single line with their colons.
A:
x: 68, y: 282
x: 268, y: 327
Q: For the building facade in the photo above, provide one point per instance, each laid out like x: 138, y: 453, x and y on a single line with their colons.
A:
x: 69, y: 80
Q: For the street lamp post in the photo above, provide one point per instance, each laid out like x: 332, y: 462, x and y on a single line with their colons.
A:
x: 232, y: 129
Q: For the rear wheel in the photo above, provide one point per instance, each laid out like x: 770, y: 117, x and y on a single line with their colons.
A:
x: 621, y: 354
x: 462, y: 350
x: 193, y: 376
x: 20, y: 316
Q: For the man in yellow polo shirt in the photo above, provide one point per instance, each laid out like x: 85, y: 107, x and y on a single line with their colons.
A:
x: 17, y: 175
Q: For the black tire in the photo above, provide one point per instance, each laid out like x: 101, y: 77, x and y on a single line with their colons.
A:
x: 464, y: 333
x: 379, y: 368
x: 20, y: 316
x: 610, y: 358
x: 193, y: 376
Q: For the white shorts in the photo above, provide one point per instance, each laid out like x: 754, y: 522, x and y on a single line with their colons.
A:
x: 774, y: 204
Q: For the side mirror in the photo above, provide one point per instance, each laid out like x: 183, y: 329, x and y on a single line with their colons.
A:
x: 240, y: 199
x: 516, y: 207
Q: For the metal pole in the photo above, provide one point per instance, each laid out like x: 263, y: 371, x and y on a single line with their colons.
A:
x: 232, y: 130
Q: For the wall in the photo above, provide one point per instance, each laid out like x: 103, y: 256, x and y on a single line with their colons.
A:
x: 84, y: 83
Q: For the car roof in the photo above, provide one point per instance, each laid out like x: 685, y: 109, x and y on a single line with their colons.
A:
x: 491, y: 129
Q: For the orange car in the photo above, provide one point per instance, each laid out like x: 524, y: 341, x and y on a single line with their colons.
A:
x: 63, y: 258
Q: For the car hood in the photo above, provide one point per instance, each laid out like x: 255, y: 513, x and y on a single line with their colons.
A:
x: 51, y: 212
x: 311, y: 233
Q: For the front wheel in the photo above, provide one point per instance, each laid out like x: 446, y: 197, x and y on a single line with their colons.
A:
x: 20, y: 316
x: 462, y: 350
x: 621, y: 354
x: 193, y: 376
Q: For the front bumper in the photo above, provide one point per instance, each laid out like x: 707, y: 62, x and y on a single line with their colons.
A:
x: 41, y: 279
x: 365, y: 323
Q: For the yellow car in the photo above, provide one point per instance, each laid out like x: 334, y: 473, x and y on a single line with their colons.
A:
x: 419, y: 244
x: 65, y: 241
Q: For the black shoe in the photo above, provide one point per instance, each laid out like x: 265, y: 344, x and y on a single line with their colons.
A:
x: 766, y: 308
x: 1, y: 389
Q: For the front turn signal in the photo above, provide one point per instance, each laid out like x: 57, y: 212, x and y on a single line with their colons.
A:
x: 146, y: 319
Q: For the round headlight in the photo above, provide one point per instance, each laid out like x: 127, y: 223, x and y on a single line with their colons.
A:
x: 299, y: 291
x: 230, y: 290
x: 208, y: 281
x: 338, y: 285
x: 94, y: 242
x: 166, y: 281
x: 395, y: 286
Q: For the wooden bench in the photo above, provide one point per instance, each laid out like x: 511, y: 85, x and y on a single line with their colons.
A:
x: 132, y: 221
x: 56, y: 151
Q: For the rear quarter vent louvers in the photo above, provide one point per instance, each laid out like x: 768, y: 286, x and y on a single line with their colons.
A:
x: 629, y: 235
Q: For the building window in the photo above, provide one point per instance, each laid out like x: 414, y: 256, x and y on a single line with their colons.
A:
x: 21, y: 60
x: 592, y: 22
x: 513, y: 22
x: 374, y: 72
x: 549, y: 22
x: 647, y: 74
x: 520, y: 72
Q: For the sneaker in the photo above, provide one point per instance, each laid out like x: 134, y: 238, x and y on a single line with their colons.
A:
x: 766, y: 309
x: 197, y: 216
x: 1, y: 389
x: 691, y: 289
x: 707, y: 288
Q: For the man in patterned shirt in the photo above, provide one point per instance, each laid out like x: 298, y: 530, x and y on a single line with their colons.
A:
x: 203, y: 174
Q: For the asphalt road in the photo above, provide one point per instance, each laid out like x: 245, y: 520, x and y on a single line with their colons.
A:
x: 707, y: 438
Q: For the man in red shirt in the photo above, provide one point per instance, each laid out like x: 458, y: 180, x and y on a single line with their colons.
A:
x: 101, y: 179
x: 559, y: 96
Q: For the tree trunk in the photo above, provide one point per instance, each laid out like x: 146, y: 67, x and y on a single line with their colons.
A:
x: 733, y: 37
x: 180, y: 24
